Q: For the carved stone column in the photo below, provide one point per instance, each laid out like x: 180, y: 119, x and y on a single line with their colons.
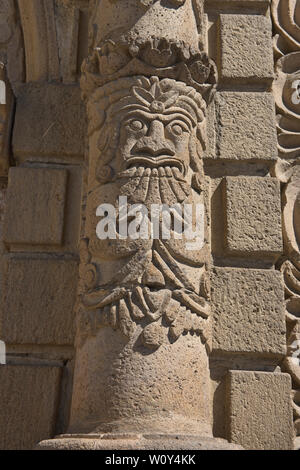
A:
x: 143, y: 332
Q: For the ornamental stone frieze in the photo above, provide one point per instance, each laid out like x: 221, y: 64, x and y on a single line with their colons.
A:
x: 286, y: 17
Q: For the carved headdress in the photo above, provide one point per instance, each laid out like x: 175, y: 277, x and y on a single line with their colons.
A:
x: 146, y: 94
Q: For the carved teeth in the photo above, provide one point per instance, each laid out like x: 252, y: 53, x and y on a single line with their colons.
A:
x: 161, y: 171
x: 177, y: 173
x: 155, y: 172
x: 147, y: 172
x: 169, y: 171
x: 140, y: 171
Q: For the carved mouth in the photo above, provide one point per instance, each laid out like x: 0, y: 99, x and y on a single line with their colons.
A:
x: 163, y: 183
x: 156, y: 162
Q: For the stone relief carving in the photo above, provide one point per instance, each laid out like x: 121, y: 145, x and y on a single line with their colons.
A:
x: 291, y: 272
x: 150, y: 139
x: 124, y: 45
x: 11, y: 72
x: 286, y: 17
x: 286, y: 22
x: 11, y: 43
x: 149, y: 135
x: 156, y: 56
x: 143, y: 308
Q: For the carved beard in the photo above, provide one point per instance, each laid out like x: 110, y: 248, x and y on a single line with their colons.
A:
x: 159, y: 185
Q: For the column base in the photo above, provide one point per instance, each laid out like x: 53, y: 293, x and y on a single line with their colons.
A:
x: 131, y: 441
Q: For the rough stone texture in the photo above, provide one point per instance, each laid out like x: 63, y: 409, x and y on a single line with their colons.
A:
x: 149, y: 294
x: 7, y: 104
x: 30, y: 397
x: 285, y: 15
x: 252, y: 216
x: 245, y: 47
x: 143, y: 315
x: 35, y: 206
x: 239, y: 2
x: 45, y: 125
x: 39, y: 296
x: 121, y: 387
x: 248, y: 311
x: 245, y: 126
x: 147, y: 18
x: 137, y: 442
x: 260, y: 410
x: 57, y: 27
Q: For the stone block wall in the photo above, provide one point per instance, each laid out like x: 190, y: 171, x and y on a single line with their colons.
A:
x: 248, y: 299
x: 41, y: 222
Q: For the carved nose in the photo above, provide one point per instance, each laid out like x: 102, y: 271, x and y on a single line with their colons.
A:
x: 154, y: 143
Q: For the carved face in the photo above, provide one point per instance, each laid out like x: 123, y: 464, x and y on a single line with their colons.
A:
x: 155, y: 140
x: 153, y: 125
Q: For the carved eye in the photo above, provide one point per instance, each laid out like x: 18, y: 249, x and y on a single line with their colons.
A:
x: 136, y: 125
x: 178, y: 128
